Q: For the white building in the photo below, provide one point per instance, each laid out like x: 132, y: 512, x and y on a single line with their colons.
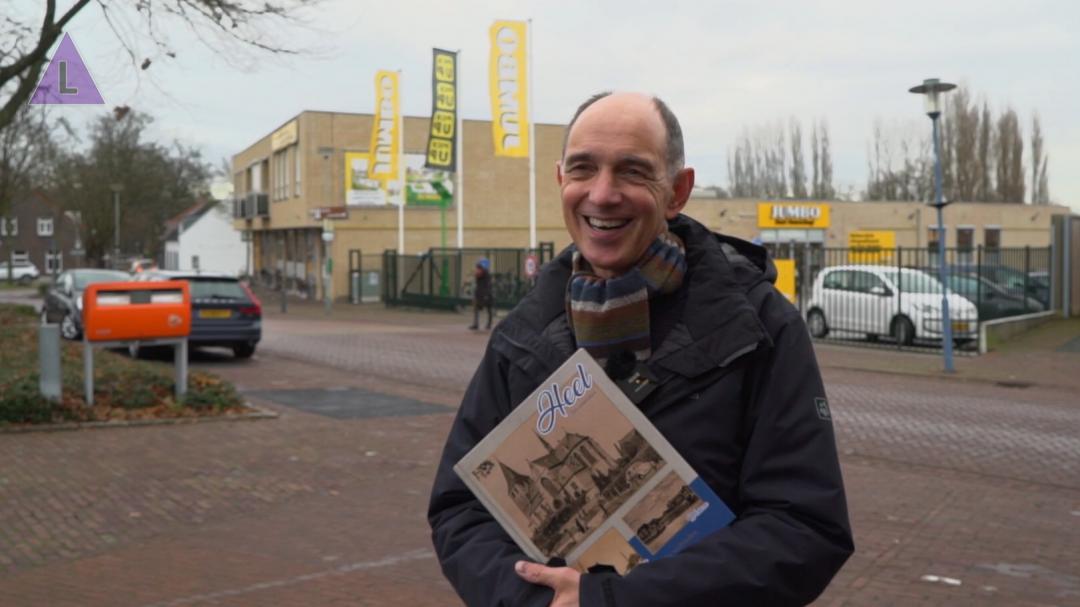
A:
x: 204, y: 238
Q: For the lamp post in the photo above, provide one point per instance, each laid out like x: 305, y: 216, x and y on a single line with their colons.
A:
x: 327, y: 154
x: 933, y: 88
x: 116, y: 189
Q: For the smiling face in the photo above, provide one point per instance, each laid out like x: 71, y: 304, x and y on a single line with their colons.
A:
x: 616, y: 192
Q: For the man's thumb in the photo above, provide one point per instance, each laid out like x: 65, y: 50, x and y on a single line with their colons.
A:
x: 531, y: 572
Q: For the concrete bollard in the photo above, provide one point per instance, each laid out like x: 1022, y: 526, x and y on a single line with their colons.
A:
x: 49, y: 381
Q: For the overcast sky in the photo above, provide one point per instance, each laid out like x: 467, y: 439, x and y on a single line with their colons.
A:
x: 722, y: 66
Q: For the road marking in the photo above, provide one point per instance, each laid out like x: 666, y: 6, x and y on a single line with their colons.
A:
x: 390, y: 561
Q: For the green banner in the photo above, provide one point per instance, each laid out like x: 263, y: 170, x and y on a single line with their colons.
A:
x: 441, y: 139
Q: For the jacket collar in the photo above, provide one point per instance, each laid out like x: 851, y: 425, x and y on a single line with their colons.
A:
x: 718, y: 324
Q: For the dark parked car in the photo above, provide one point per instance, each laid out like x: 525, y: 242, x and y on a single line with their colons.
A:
x: 64, y: 299
x: 991, y: 300
x: 1035, y: 285
x: 224, y: 311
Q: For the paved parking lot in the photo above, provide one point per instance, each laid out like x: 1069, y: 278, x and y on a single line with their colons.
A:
x: 948, y: 481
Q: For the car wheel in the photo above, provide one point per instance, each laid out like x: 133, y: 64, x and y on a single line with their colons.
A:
x: 68, y: 328
x: 243, y: 350
x: 25, y: 280
x: 816, y: 321
x: 903, y: 331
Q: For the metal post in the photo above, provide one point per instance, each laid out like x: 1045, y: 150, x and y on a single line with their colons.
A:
x: 49, y: 359
x: 1066, y: 274
x: 180, y: 362
x: 899, y: 289
x: 946, y: 323
x: 1027, y: 270
x: 116, y: 229
x: 88, y: 372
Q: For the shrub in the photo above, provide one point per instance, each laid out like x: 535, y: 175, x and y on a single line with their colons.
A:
x: 21, y: 402
x: 209, y: 392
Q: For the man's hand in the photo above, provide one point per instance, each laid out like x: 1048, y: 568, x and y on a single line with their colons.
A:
x: 563, y: 580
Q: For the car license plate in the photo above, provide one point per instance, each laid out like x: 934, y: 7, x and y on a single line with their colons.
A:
x: 215, y: 313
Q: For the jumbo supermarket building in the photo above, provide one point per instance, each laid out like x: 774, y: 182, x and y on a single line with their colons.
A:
x: 298, y: 181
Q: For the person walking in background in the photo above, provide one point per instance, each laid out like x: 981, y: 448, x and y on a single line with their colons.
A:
x: 482, y: 293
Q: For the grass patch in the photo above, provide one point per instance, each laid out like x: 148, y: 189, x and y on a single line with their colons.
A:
x: 124, y: 389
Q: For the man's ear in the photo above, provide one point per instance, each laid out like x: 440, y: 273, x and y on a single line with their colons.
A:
x: 682, y: 186
x: 558, y: 172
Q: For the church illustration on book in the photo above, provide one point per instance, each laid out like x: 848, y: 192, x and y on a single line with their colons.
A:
x: 576, y: 484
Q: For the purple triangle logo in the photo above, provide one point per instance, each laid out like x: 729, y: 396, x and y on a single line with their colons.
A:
x: 66, y: 80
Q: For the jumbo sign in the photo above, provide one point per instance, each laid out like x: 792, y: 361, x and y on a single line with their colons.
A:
x: 793, y: 215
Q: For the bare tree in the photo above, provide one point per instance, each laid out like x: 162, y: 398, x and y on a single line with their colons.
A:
x: 1009, y: 146
x: 981, y: 158
x: 964, y: 118
x: 901, y: 174
x: 1039, y: 191
x: 828, y: 191
x: 798, y: 168
x: 984, y: 191
x: 219, y: 23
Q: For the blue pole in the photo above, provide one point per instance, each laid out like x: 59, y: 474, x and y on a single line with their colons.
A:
x: 946, y: 323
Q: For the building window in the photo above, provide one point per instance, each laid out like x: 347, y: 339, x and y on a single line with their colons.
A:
x: 44, y: 226
x: 965, y: 244
x: 932, y: 244
x: 9, y: 227
x: 280, y: 175
x: 296, y: 168
x: 932, y: 238
x: 54, y: 262
x: 992, y: 237
x: 19, y: 258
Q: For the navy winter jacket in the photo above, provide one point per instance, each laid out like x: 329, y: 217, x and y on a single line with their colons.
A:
x: 740, y: 397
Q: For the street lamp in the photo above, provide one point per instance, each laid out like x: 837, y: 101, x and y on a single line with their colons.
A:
x: 327, y: 154
x: 116, y: 189
x: 933, y: 88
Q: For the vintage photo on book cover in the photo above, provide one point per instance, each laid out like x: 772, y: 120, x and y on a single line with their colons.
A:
x: 576, y: 471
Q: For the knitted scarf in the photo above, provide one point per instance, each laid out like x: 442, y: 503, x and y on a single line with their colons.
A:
x: 611, y: 315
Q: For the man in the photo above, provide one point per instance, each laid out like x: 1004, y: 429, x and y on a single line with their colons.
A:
x: 737, y: 389
x: 482, y: 297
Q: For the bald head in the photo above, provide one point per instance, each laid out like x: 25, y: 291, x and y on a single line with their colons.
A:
x: 674, y: 152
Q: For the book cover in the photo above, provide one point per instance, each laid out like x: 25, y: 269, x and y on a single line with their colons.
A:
x: 577, y: 471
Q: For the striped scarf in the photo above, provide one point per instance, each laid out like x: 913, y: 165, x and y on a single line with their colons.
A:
x: 612, y: 315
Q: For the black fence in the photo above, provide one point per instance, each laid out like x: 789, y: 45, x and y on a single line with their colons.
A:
x: 893, y: 297
x: 443, y: 277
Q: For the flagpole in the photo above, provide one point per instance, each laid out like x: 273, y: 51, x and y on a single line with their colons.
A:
x: 401, y: 170
x: 532, y: 141
x: 460, y: 169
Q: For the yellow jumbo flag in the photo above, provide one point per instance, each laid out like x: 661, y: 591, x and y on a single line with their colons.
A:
x: 385, y: 132
x: 509, y: 89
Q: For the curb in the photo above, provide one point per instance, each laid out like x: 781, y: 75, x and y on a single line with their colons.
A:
x: 954, y: 377
x: 259, y: 413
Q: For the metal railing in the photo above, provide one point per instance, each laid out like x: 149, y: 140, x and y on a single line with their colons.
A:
x: 892, y: 297
x: 442, y: 278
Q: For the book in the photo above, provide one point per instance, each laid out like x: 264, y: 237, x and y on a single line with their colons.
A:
x: 576, y: 471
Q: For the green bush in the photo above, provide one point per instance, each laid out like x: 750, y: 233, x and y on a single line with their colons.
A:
x: 21, y: 402
x: 208, y: 392
x: 121, y: 384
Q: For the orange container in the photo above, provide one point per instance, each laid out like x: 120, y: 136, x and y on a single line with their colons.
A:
x: 119, y: 311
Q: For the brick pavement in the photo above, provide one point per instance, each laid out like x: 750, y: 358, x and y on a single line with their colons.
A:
x: 961, y: 480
